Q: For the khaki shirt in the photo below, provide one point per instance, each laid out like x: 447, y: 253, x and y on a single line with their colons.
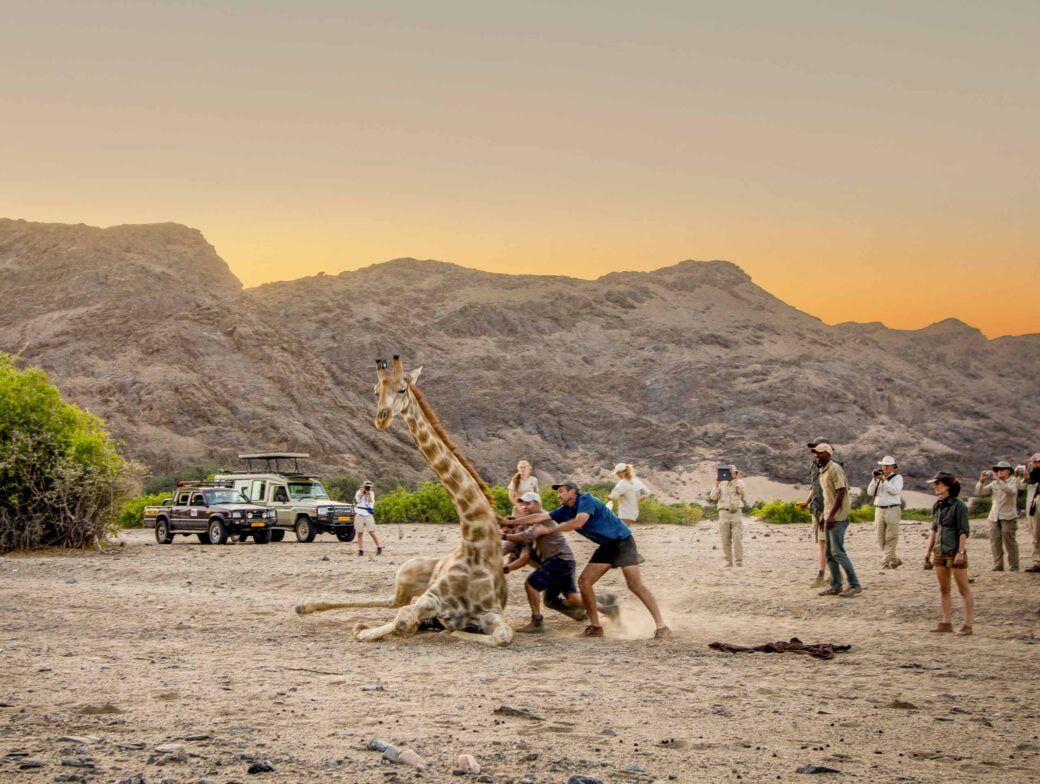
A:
x: 1005, y: 498
x: 730, y: 495
x: 832, y: 479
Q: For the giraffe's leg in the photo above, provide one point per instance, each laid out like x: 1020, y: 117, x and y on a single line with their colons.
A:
x: 499, y: 632
x: 306, y: 608
x: 405, y: 622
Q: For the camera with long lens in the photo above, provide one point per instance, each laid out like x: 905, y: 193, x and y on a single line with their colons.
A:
x: 878, y: 473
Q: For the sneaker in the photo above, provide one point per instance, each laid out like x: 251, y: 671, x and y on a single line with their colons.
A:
x: 830, y: 592
x: 360, y: 552
x: 942, y: 628
x: 379, y: 551
x: 997, y: 569
x: 536, y: 626
x: 663, y: 633
x: 965, y: 631
x: 1034, y: 568
x: 592, y: 631
x: 574, y: 613
x: 852, y: 590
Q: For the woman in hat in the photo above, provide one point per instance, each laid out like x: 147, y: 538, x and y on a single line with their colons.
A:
x: 948, y: 549
x: 364, y: 517
x: 1003, y: 514
x: 523, y: 481
x: 627, y: 493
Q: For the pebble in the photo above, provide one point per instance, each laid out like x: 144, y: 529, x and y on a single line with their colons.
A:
x: 578, y: 779
x: 82, y: 740
x: 468, y: 763
x: 260, y: 767
x: 169, y: 748
x: 377, y: 745
x: 409, y: 757
x: 810, y: 768
x: 325, y: 558
x: 391, y: 753
x: 71, y: 777
x: 27, y: 763
x: 71, y: 581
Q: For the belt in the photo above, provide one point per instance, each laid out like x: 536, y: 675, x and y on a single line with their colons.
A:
x: 888, y: 506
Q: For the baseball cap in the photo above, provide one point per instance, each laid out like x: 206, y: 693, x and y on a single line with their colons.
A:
x: 620, y: 467
x: 530, y: 496
x: 568, y: 483
x: 812, y: 444
x: 887, y: 460
x: 823, y: 447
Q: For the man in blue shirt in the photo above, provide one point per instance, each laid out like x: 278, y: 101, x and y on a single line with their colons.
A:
x: 588, y: 516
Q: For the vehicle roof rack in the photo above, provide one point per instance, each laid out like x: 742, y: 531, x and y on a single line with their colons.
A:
x: 272, y: 461
x: 204, y: 484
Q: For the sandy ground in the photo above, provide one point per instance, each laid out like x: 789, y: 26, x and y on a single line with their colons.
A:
x: 198, y: 646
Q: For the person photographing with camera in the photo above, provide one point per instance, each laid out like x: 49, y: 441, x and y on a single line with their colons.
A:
x: 729, y: 494
x: 1031, y: 476
x: 1003, y: 514
x: 886, y: 488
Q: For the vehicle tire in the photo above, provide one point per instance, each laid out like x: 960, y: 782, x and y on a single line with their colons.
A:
x: 163, y: 534
x: 243, y: 537
x: 305, y: 530
x: 203, y: 538
x: 277, y: 534
x: 262, y: 537
x: 218, y: 533
x: 346, y: 536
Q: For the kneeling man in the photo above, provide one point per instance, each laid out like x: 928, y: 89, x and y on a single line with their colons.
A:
x: 588, y: 516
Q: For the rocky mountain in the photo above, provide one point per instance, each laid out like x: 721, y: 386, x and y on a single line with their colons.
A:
x: 672, y: 370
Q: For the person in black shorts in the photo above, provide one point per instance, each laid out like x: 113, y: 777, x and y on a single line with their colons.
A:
x: 553, y: 575
x: 589, y: 516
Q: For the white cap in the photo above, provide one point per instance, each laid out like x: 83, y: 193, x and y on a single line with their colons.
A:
x: 620, y: 467
x: 887, y: 460
x: 824, y: 448
x: 530, y: 496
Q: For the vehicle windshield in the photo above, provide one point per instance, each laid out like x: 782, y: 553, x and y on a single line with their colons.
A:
x: 300, y: 490
x: 214, y: 497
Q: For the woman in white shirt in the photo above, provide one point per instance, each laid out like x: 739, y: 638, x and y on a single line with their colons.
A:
x: 523, y: 481
x: 627, y: 493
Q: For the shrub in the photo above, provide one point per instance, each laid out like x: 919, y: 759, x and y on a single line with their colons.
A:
x: 428, y: 504
x: 862, y: 514
x: 917, y: 514
x: 341, y: 487
x: 653, y: 511
x: 500, y: 495
x: 783, y: 512
x: 980, y: 506
x: 61, y: 478
x: 131, y: 513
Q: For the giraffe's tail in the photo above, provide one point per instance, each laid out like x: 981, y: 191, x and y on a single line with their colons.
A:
x: 306, y: 608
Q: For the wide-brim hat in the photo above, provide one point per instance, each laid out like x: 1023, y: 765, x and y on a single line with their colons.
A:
x: 1002, y: 464
x: 367, y: 483
x: 943, y: 476
x: 887, y: 460
x: 1036, y: 457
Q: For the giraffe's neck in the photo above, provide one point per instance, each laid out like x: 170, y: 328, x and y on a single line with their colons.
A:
x: 476, y: 517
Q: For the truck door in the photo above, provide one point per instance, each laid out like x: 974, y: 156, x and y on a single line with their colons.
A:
x: 256, y: 492
x: 179, y: 513
x: 197, y: 513
x: 282, y: 505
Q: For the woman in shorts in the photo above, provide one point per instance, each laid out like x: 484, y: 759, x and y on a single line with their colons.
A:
x: 948, y: 549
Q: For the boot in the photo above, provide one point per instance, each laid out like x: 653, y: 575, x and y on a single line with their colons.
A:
x: 536, y: 626
x: 574, y: 613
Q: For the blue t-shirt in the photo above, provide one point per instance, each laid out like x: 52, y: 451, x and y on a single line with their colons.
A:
x: 602, y: 526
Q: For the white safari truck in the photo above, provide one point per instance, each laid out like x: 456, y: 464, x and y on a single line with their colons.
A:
x: 274, y: 480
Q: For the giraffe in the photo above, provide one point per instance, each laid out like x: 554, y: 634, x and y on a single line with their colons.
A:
x: 466, y: 589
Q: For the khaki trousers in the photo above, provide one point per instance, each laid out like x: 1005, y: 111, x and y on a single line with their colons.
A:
x: 1002, y: 537
x: 1034, y: 525
x: 731, y: 532
x: 886, y: 524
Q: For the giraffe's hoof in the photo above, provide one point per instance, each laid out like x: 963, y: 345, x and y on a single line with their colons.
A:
x: 358, y: 628
x: 301, y: 609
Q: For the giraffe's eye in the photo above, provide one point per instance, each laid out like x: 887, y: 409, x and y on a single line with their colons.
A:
x: 402, y: 390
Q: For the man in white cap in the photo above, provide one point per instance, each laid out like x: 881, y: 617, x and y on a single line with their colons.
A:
x: 886, y: 488
x: 1032, y: 480
x: 836, y: 507
x: 729, y: 494
x: 1003, y: 514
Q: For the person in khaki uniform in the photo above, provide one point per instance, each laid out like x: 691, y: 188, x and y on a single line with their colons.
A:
x: 1003, y: 514
x: 836, y: 506
x: 814, y: 503
x: 1032, y: 481
x: 730, y: 496
x: 886, y: 488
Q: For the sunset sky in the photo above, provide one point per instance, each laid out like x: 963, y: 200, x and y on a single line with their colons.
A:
x: 862, y: 161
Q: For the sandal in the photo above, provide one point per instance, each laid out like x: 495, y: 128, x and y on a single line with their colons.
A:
x: 965, y: 631
x: 942, y: 628
x: 360, y: 552
x: 592, y: 631
x: 663, y: 633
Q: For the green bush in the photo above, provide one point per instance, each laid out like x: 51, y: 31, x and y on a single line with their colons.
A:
x: 341, y: 487
x: 980, y: 506
x: 430, y: 503
x: 783, y: 512
x: 62, y: 480
x: 500, y: 495
x: 862, y: 514
x: 131, y: 513
x: 917, y: 514
x: 653, y: 511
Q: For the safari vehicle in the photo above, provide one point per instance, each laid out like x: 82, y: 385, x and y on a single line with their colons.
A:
x: 274, y: 480
x: 212, y: 511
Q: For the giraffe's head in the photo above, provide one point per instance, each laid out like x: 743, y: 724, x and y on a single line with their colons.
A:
x: 392, y: 389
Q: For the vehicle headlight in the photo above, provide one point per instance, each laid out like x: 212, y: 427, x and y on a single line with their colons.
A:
x: 322, y: 510
x: 236, y: 514
x: 270, y: 513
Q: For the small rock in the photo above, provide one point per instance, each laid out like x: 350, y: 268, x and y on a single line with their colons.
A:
x: 409, y: 757
x: 27, y: 763
x: 377, y: 745
x: 260, y: 767
x: 468, y: 763
x: 71, y: 777
x: 810, y: 768
x: 373, y: 687
x: 71, y: 763
x: 71, y: 581
x: 608, y: 732
x: 391, y: 753
x: 325, y: 558
x: 169, y: 748
x: 485, y: 778
x: 200, y: 736
x: 137, y: 778
x: 82, y: 740
x: 578, y: 779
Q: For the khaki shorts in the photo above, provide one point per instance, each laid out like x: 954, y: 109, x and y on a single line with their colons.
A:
x: 364, y: 523
x: 817, y: 526
x: 947, y: 560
